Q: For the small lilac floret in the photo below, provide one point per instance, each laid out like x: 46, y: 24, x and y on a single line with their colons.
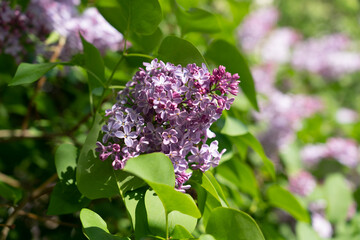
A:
x: 167, y: 108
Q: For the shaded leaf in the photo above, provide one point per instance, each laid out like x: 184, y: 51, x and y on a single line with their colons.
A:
x: 95, y: 179
x: 281, y: 198
x: 229, y: 224
x: 179, y: 51
x: 66, y: 198
x: 94, y: 65
x: 10, y: 193
x: 28, y: 73
x: 251, y: 141
x: 223, y: 53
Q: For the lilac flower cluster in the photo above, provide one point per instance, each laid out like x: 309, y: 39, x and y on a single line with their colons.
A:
x: 343, y: 150
x: 169, y: 109
x: 327, y: 56
x: 19, y: 31
x: 302, y: 183
x: 256, y: 26
x: 283, y: 114
x: 64, y: 18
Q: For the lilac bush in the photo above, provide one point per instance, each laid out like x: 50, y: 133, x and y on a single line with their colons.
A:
x: 167, y: 108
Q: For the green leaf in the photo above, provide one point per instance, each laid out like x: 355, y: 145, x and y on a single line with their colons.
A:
x: 240, y: 174
x: 224, y: 53
x: 179, y: 51
x: 95, y: 179
x: 147, y: 43
x: 65, y: 157
x: 135, y: 204
x: 28, y: 73
x: 95, y: 228
x: 157, y: 170
x: 180, y: 232
x: 175, y: 201
x: 234, y: 127
x: 157, y: 220
x: 229, y: 224
x: 153, y: 167
x: 251, y: 141
x: 206, y: 237
x: 10, y: 193
x: 281, y: 198
x: 338, y: 197
x: 94, y: 66
x: 196, y: 20
x: 139, y: 16
x: 98, y: 179
x: 66, y: 198
x: 305, y: 232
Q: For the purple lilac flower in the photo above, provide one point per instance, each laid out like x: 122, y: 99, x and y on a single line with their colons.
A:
x: 256, y: 26
x: 321, y: 225
x: 277, y: 47
x: 302, y: 183
x: 170, y: 109
x: 346, y: 116
x: 19, y: 31
x: 283, y: 114
x: 327, y: 56
x: 343, y: 150
x: 64, y: 18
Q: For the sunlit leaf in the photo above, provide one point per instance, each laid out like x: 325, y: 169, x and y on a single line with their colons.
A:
x: 179, y: 51
x: 28, y: 73
x: 139, y: 16
x: 65, y: 157
x: 338, y: 197
x: 196, y: 20
x: 95, y: 228
x: 229, y: 224
x: 234, y: 127
x: 156, y: 216
x: 281, y: 198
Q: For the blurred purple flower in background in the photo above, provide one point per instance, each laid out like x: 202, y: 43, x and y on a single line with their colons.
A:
x: 20, y: 31
x: 169, y: 109
x: 45, y: 16
x: 345, y: 151
x: 302, y: 183
x: 256, y: 26
x: 327, y: 56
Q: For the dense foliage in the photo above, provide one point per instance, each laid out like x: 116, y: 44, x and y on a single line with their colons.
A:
x: 177, y: 119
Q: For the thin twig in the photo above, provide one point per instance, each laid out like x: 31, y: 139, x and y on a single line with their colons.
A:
x: 28, y: 198
x: 44, y: 219
x: 9, y: 180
